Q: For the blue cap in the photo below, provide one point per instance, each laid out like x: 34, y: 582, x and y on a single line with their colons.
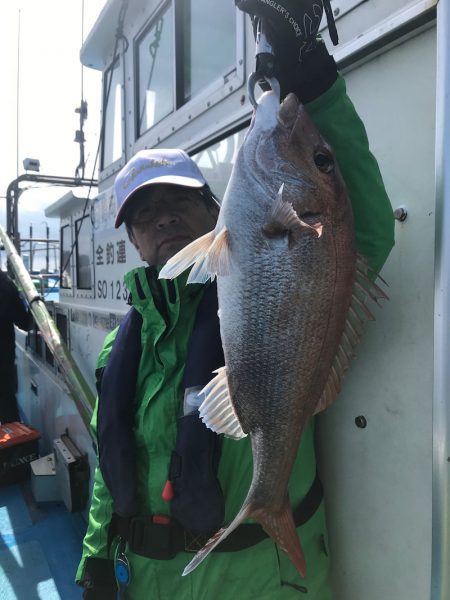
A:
x: 148, y: 167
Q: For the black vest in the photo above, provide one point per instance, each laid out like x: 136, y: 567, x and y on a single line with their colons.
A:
x: 198, y: 500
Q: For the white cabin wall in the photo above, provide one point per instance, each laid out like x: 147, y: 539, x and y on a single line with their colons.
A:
x: 378, y: 479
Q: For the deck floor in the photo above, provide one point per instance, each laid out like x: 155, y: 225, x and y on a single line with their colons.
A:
x: 40, y: 547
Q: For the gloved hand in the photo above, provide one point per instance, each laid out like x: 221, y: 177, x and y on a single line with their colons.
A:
x: 295, y: 23
x: 99, y: 579
x: 303, y: 64
x: 100, y: 591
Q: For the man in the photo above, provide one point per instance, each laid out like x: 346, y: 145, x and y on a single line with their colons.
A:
x: 12, y: 312
x: 164, y: 482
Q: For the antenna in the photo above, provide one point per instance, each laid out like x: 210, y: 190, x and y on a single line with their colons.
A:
x: 82, y: 42
x: 82, y: 110
x: 17, y: 96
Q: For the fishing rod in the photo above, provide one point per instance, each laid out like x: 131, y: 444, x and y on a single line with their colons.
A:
x: 78, y: 389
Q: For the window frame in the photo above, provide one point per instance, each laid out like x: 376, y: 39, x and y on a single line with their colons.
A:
x: 77, y: 233
x: 119, y: 58
x: 215, y: 91
x: 61, y: 250
x: 180, y: 82
x: 162, y: 8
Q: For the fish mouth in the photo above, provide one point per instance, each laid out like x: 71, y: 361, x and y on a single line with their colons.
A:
x: 288, y: 111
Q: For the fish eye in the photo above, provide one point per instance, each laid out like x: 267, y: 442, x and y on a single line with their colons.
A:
x: 324, y: 161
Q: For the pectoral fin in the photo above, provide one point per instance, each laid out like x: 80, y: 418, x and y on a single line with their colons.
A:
x: 195, y: 252
x: 209, y: 255
x: 219, y: 259
x: 284, y: 220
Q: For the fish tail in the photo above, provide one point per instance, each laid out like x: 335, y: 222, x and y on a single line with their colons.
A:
x: 218, y: 537
x: 281, y: 528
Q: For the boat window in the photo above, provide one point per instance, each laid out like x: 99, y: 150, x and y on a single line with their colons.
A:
x: 66, y: 257
x: 39, y: 342
x: 83, y: 232
x: 112, y: 99
x: 155, y: 70
x: 49, y: 356
x: 188, y: 46
x: 34, y: 339
x: 216, y: 161
x: 209, y: 43
x: 61, y: 324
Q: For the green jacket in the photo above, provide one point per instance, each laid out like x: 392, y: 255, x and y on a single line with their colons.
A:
x: 262, y: 571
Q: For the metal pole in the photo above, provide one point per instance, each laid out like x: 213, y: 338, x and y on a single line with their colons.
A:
x: 30, y: 263
x: 47, y: 257
x: 18, y: 97
x: 440, y: 573
x: 78, y: 388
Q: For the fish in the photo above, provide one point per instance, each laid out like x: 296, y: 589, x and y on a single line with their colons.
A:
x: 293, y: 298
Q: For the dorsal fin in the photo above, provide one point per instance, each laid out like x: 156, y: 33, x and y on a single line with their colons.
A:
x: 364, y: 290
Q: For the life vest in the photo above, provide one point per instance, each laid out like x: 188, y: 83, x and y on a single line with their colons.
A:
x: 197, y: 501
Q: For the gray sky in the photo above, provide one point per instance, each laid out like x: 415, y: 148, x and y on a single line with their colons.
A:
x: 49, y: 92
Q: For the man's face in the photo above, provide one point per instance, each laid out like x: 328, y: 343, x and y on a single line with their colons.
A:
x: 166, y: 218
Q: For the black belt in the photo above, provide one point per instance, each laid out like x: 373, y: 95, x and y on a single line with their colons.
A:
x: 160, y: 537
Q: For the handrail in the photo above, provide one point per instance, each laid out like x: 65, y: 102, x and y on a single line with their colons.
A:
x: 440, y: 576
x: 78, y: 388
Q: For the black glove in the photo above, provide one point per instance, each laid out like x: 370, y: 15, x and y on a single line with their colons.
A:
x: 100, y: 592
x: 295, y: 23
x: 303, y: 64
x: 99, y: 579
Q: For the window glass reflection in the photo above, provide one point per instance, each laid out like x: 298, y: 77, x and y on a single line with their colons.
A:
x: 66, y: 258
x: 209, y: 43
x: 216, y: 162
x: 112, y: 141
x: 83, y: 229
x: 156, y: 71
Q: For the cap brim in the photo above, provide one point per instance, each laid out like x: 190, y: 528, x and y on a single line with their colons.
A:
x: 167, y: 179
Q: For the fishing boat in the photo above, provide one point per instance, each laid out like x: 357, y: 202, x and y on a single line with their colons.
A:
x: 174, y: 75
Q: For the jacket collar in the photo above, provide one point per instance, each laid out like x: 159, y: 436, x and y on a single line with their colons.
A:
x: 165, y: 294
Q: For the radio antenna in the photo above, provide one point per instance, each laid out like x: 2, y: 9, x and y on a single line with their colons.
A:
x: 18, y: 96
x: 82, y: 110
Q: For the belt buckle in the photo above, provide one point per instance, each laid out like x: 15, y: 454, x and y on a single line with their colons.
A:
x: 194, y: 542
x: 152, y: 536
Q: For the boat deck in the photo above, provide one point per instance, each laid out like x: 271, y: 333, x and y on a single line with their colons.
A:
x: 40, y: 547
